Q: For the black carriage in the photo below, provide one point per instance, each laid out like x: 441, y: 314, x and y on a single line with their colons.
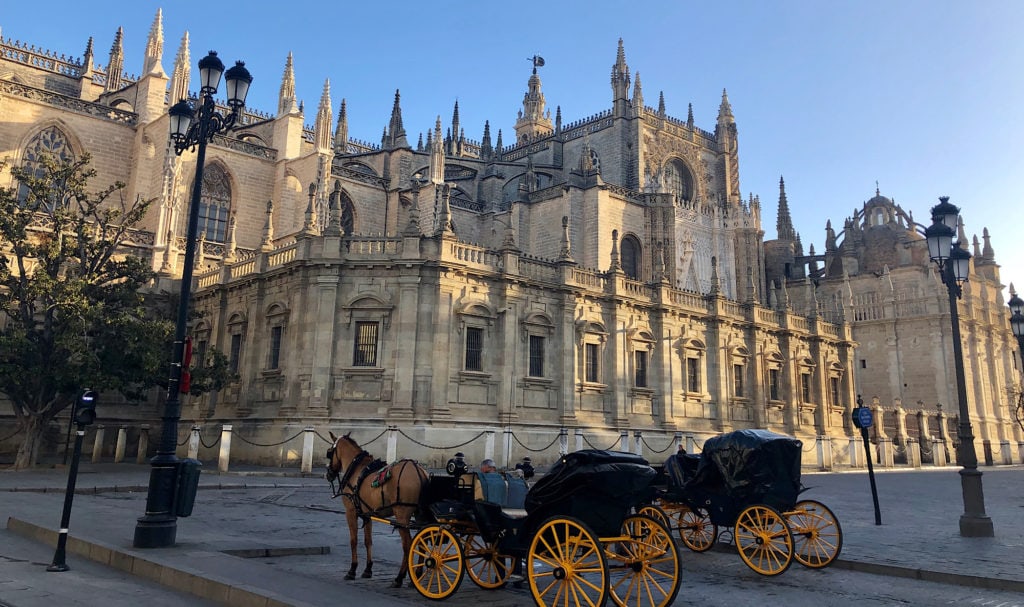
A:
x: 748, y: 481
x: 573, y: 534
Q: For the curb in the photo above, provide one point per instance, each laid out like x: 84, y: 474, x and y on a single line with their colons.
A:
x: 195, y: 582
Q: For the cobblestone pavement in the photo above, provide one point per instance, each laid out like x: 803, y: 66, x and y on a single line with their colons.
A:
x: 919, y: 538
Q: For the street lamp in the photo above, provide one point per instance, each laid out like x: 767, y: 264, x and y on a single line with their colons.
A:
x: 1017, y: 321
x: 158, y: 527
x: 954, y: 265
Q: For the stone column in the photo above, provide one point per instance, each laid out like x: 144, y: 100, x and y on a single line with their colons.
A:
x: 225, y: 448
x: 489, y: 444
x: 307, y: 450
x: 122, y: 441
x: 563, y: 441
x: 392, y: 449
x: 193, y: 443
x: 638, y: 442
x: 938, y: 452
x: 624, y: 440
x: 142, y: 455
x: 325, y: 297
x: 97, y: 444
x: 402, y: 407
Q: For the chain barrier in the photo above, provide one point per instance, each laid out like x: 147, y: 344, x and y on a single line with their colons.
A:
x: 812, y: 447
x: 648, y: 445
x: 254, y: 444
x: 322, y: 437
x: 402, y: 432
x: 184, y: 441
x: 11, y: 435
x: 699, y: 445
x: 591, y: 445
x: 924, y: 451
x: 374, y: 438
x: 211, y: 446
x: 516, y: 438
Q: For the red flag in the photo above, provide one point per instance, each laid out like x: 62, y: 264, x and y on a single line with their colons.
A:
x: 185, y: 384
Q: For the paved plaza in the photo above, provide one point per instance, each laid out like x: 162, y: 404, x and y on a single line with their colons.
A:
x: 296, y: 542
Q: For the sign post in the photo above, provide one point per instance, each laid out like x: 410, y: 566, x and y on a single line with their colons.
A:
x: 864, y: 419
x: 85, y: 414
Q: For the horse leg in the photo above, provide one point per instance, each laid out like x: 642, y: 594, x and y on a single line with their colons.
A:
x: 353, y: 541
x: 368, y: 543
x: 403, y: 568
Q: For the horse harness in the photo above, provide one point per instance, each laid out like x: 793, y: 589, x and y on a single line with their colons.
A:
x: 347, y: 489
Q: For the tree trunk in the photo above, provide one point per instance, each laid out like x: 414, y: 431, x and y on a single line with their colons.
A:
x: 33, y: 429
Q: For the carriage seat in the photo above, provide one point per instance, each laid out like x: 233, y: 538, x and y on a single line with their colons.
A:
x: 504, y: 490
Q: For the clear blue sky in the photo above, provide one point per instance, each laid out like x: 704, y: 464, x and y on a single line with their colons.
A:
x: 922, y: 96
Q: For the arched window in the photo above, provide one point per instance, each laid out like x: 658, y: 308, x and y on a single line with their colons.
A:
x: 631, y: 257
x: 678, y: 180
x: 51, y: 142
x: 215, y: 204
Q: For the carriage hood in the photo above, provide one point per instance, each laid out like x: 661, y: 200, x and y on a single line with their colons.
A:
x: 752, y: 466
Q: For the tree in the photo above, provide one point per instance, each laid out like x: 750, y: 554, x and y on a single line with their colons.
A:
x: 77, y: 310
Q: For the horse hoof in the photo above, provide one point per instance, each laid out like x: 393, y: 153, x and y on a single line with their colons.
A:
x: 350, y: 576
x: 396, y: 584
x: 367, y: 575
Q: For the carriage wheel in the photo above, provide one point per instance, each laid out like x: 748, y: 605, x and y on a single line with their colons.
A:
x: 764, y: 540
x: 644, y: 570
x: 435, y: 562
x: 566, y: 565
x: 654, y: 511
x: 816, y: 532
x: 485, y: 566
x: 695, y: 528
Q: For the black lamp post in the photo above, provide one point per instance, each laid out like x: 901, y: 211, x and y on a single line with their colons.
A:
x: 159, y: 526
x: 954, y: 265
x: 1017, y: 321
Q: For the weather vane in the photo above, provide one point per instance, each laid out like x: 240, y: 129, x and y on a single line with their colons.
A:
x: 537, y: 60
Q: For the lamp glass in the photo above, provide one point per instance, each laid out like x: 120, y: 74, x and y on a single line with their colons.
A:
x: 946, y: 213
x: 1016, y: 304
x: 237, y: 84
x: 940, y: 241
x: 211, y: 68
x: 961, y: 261
x: 181, y: 118
x: 1017, y: 324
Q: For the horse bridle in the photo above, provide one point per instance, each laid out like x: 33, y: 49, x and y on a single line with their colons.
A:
x: 338, y: 486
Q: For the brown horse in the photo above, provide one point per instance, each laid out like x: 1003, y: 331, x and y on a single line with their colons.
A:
x: 372, y: 489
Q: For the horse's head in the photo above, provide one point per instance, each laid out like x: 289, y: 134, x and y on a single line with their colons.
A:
x: 343, y: 450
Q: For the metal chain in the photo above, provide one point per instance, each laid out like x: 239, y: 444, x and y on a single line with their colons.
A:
x: 811, y: 448
x: 440, y: 448
x: 516, y: 438
x: 669, y: 446
x: 204, y: 444
x: 375, y: 438
x: 185, y: 440
x: 598, y: 448
x: 321, y: 437
x: 254, y: 444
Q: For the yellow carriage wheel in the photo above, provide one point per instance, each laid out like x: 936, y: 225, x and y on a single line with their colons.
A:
x: 485, y: 566
x: 816, y: 532
x: 643, y: 568
x: 764, y: 540
x: 435, y: 562
x: 566, y: 565
x: 656, y: 512
x: 695, y: 528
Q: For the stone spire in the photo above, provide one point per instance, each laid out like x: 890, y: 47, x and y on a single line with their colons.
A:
x: 396, y: 131
x: 531, y: 175
x: 155, y: 47
x: 830, y: 238
x: 182, y: 71
x: 566, y: 249
x: 751, y: 287
x: 232, y: 247
x: 485, y: 144
x: 322, y: 126
x: 558, y: 119
x: 341, y: 133
x: 661, y: 104
x: 437, y: 155
x: 961, y: 234
x: 638, y: 97
x: 987, y: 253
x: 443, y: 209
x: 976, y: 244
x: 311, y: 226
x: 455, y: 145
x: 87, y: 57
x: 115, y: 67
x: 497, y: 145
x: 533, y: 122
x: 333, y: 227
x: 616, y: 264
x: 620, y: 82
x: 725, y: 110
x: 716, y: 283
x: 689, y: 115
x: 286, y: 102
x: 268, y: 229
x: 783, y: 222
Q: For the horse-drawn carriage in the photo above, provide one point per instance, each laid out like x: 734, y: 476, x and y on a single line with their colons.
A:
x: 748, y: 481
x: 572, y: 536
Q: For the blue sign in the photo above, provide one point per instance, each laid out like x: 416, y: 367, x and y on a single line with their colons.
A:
x: 862, y: 417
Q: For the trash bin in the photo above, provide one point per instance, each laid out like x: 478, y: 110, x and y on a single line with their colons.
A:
x: 188, y: 485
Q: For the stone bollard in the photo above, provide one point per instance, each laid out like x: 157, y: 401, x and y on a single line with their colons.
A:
x: 855, y: 452
x: 691, y: 445
x: 392, y: 451
x: 97, y: 444
x: 225, y: 448
x: 824, y: 448
x: 307, y: 450
x: 885, y: 453
x: 193, y: 442
x: 579, y: 441
x: 624, y: 440
x: 913, y: 453
x: 143, y: 453
x: 938, y: 452
x: 489, y: 444
x: 1020, y: 450
x: 563, y: 441
x: 1004, y: 447
x: 677, y: 441
x: 508, y: 445
x: 638, y: 442
x: 122, y: 441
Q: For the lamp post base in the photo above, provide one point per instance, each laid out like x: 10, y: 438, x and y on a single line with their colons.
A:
x: 976, y: 526
x: 154, y: 533
x: 974, y: 522
x: 159, y: 527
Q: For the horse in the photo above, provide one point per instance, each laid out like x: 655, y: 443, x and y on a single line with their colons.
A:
x: 372, y: 488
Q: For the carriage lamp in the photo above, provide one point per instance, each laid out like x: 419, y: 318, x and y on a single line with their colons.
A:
x: 954, y: 264
x: 192, y: 124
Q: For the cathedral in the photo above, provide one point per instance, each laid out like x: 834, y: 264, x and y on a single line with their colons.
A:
x: 601, y: 276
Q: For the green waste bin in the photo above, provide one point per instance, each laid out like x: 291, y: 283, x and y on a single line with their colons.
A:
x: 188, y: 485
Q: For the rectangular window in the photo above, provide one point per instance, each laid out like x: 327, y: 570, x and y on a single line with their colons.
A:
x: 805, y: 387
x: 536, y: 356
x: 834, y: 385
x: 236, y: 351
x: 199, y: 354
x: 365, y: 353
x: 863, y: 364
x: 641, y: 369
x: 773, y: 384
x: 693, y: 375
x: 275, y: 348
x: 590, y: 354
x: 737, y: 380
x: 474, y: 349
